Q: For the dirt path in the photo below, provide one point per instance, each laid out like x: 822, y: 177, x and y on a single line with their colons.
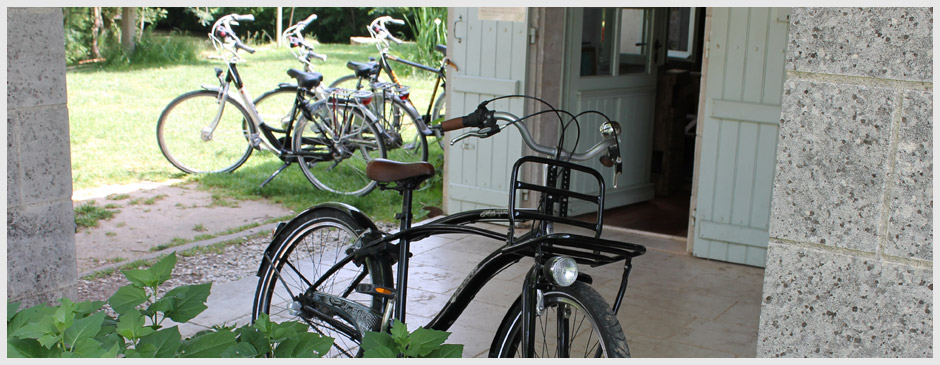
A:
x: 154, y: 214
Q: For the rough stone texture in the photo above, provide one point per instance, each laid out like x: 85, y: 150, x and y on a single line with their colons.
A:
x: 890, y: 43
x: 41, y: 252
x: 910, y: 232
x: 35, y: 64
x: 41, y: 262
x: 824, y: 304
x: 43, y: 142
x: 831, y: 164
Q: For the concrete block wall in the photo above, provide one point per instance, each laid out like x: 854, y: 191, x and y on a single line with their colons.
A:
x: 850, y: 260
x: 41, y: 264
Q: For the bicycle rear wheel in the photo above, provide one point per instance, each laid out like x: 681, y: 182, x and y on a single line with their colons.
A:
x: 334, y: 148
x: 580, y: 312
x: 404, y: 140
x: 299, y: 260
x: 188, y: 140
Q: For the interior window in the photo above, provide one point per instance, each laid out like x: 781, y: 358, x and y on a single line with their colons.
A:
x: 681, y: 30
x: 614, y: 41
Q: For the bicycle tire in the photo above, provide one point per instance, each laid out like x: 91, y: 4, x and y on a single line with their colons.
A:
x: 318, y: 239
x: 438, y: 113
x: 345, y: 172
x: 605, y: 339
x: 275, y: 107
x: 181, y: 128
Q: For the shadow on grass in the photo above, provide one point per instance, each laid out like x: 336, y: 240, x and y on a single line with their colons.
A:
x: 294, y: 191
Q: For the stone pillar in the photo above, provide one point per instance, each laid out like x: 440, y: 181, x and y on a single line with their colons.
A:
x: 850, y: 260
x: 40, y: 227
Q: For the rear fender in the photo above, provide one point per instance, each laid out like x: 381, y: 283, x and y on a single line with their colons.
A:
x: 285, y: 230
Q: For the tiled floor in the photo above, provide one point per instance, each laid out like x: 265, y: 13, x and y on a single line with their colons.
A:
x: 675, y: 306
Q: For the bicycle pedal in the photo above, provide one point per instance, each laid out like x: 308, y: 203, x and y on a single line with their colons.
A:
x: 375, y: 290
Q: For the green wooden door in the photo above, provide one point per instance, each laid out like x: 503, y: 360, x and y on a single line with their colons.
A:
x: 744, y: 85
x: 489, y: 47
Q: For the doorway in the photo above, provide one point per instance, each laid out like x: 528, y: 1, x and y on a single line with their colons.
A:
x: 671, y: 145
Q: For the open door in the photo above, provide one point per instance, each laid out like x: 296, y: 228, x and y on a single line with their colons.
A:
x: 743, y: 91
x: 611, y: 57
x: 489, y: 47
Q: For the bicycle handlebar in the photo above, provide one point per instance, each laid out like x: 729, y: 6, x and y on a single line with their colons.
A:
x: 486, y: 122
x: 223, y: 28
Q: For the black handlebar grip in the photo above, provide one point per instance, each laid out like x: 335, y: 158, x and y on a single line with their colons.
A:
x: 244, y: 47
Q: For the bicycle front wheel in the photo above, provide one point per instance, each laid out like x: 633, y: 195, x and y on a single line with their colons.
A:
x: 576, y: 322
x: 311, y: 262
x: 334, y: 147
x: 197, y: 134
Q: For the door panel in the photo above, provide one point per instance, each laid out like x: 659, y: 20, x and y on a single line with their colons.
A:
x: 745, y: 73
x: 491, y: 56
x: 611, y: 67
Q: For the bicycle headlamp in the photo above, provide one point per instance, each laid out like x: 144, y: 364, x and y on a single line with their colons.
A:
x: 562, y: 270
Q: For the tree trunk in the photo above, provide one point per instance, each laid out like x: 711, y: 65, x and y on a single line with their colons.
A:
x: 95, y: 30
x: 128, y: 27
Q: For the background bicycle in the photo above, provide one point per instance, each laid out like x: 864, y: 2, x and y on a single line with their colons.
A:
x: 401, y: 113
x: 216, y: 129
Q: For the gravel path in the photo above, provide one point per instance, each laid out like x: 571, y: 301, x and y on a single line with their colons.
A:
x: 236, y: 261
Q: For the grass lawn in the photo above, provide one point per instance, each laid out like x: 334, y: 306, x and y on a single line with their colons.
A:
x: 113, y: 115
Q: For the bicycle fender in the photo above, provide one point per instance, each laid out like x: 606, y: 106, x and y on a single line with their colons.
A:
x: 285, y: 229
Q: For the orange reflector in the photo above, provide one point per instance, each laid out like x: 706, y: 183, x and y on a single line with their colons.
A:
x: 383, y: 291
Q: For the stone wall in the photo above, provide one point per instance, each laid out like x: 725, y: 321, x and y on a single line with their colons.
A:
x: 41, y: 262
x: 850, y: 261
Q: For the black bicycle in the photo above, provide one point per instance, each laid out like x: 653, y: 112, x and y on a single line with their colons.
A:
x: 398, y: 112
x: 332, y: 136
x: 332, y: 268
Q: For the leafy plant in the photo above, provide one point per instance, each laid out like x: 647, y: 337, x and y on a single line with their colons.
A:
x: 87, y: 215
x: 422, y: 342
x: 86, y: 329
x: 428, y: 26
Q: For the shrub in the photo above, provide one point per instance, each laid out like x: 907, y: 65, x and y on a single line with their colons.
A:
x: 87, y: 329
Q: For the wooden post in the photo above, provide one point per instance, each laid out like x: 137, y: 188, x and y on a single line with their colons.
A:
x: 280, y: 17
x: 128, y: 28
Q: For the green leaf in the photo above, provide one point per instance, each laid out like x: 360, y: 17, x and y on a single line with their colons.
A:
x: 321, y: 344
x: 85, y: 308
x: 35, y: 330
x: 254, y: 337
x: 208, y: 345
x: 165, y: 342
x: 12, y: 307
x: 88, y: 347
x: 140, y: 278
x: 242, y: 350
x: 31, y: 315
x: 399, y: 332
x: 153, y: 276
x: 48, y: 340
x: 286, y: 330
x: 447, y: 351
x: 184, y: 302
x: 126, y: 298
x: 423, y: 340
x: 131, y: 326
x: 306, y: 344
x: 29, y: 348
x: 64, y: 315
x: 86, y: 327
x: 379, y: 345
x: 112, y: 340
x: 263, y: 324
x: 163, y: 269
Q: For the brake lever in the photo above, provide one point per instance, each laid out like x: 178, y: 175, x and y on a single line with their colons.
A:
x: 467, y: 135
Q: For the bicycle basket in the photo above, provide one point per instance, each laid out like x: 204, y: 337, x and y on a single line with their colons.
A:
x: 555, y: 194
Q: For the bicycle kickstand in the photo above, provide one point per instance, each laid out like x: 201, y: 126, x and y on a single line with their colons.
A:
x: 274, y: 174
